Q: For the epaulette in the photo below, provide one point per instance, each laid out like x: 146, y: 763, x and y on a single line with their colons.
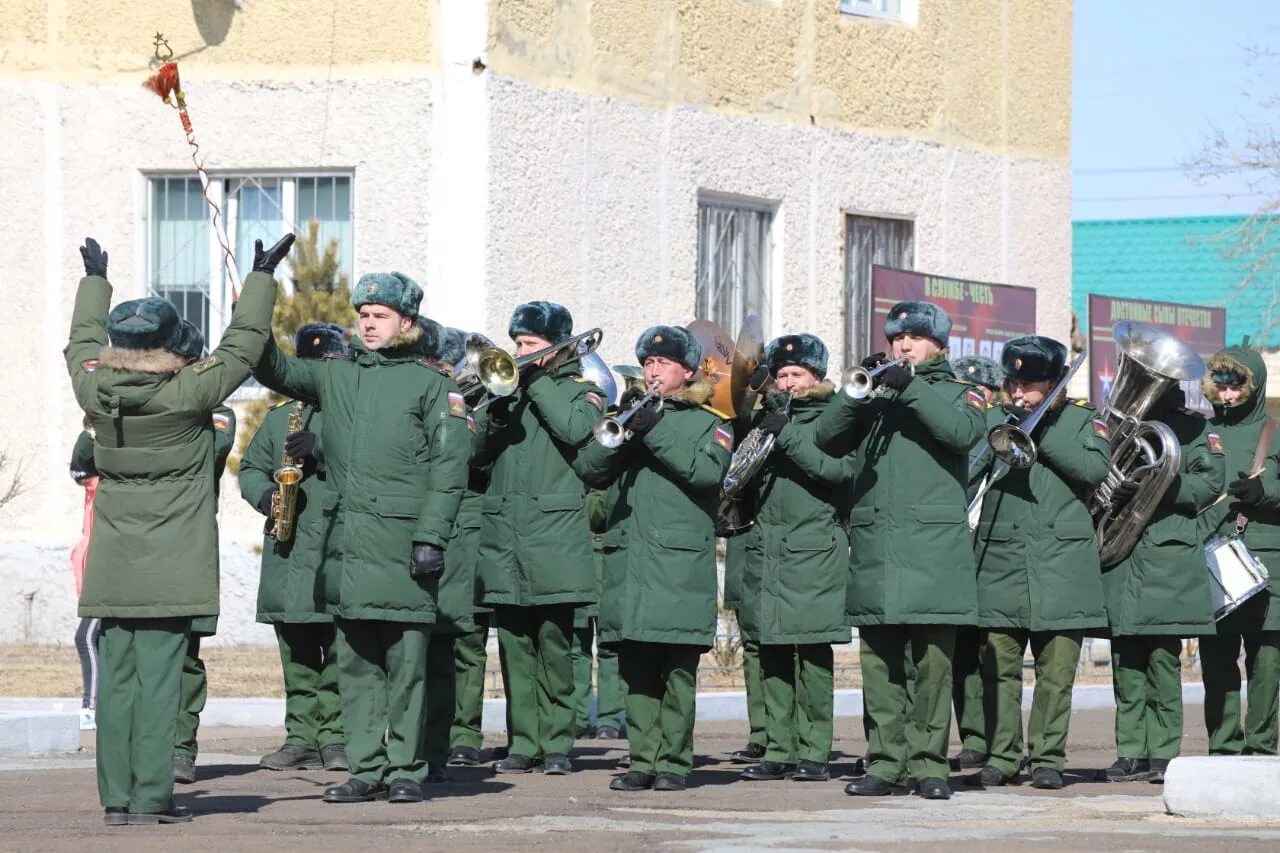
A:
x: 719, y: 414
x: 443, y: 370
x: 341, y: 356
x: 580, y: 379
x: 1082, y: 403
x: 282, y: 404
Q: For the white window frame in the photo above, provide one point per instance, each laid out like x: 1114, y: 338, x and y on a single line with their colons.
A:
x: 908, y: 10
x: 770, y: 269
x: 855, y: 314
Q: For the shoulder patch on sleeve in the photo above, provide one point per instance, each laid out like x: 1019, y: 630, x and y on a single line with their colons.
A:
x: 457, y: 405
x: 471, y: 423
x: 723, y: 437
x: 975, y: 399
x: 221, y: 422
x: 89, y: 365
x: 1101, y: 430
x: 595, y: 399
x: 1215, y: 444
x: 206, y: 364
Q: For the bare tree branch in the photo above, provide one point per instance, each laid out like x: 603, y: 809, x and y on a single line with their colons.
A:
x: 16, y: 485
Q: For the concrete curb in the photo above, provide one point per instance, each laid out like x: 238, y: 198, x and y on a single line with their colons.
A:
x: 38, y: 731
x: 1231, y: 786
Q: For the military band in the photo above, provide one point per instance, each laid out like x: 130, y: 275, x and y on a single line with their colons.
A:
x: 419, y: 486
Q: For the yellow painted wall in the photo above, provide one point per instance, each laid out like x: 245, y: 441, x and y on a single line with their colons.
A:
x: 99, y: 40
x: 988, y: 74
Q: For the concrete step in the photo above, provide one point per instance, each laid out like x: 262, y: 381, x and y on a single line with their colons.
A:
x: 1223, y: 786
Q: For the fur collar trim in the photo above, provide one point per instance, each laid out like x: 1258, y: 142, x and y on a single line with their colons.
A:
x: 819, y: 393
x: 698, y: 392
x: 1222, y: 363
x: 156, y: 361
x: 401, y: 343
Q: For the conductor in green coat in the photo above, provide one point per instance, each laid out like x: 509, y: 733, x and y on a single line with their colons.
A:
x: 660, y: 585
x: 152, y: 563
x: 396, y: 440
x: 912, y: 575
x: 1039, y: 580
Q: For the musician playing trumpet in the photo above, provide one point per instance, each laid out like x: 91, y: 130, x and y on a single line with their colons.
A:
x: 1039, y: 578
x: 795, y: 565
x: 659, y: 592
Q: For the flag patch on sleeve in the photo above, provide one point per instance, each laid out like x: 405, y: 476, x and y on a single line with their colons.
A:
x: 1101, y: 430
x: 1215, y: 444
x: 89, y: 366
x: 724, y: 438
x: 457, y: 405
x: 976, y: 399
x: 221, y: 423
x: 596, y: 400
x: 471, y: 423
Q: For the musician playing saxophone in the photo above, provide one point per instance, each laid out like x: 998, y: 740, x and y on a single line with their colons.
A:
x: 1039, y: 580
x: 795, y: 565
x: 1158, y: 595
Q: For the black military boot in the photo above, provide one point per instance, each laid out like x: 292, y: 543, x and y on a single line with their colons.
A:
x: 768, y: 771
x: 1046, y: 779
x: 749, y: 754
x: 436, y: 774
x: 1129, y: 770
x: 608, y: 733
x: 968, y: 759
x: 668, y: 782
x: 184, y: 769
x: 874, y: 786
x: 810, y: 771
x: 516, y: 763
x: 1158, y: 768
x: 632, y: 780
x: 115, y: 816
x: 173, y: 814
x: 291, y: 756
x: 464, y: 756
x: 624, y: 762
x: 934, y: 789
x: 557, y: 765
x: 989, y: 777
x: 334, y: 757
x: 404, y: 791
x: 352, y: 791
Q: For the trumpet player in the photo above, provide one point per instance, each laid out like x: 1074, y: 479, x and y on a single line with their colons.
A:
x: 535, y: 558
x: 1039, y: 579
x: 290, y: 597
x: 1236, y: 385
x: 396, y: 440
x: 795, y: 565
x: 911, y: 558
x: 659, y: 599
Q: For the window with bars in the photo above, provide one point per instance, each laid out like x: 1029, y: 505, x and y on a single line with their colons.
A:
x: 735, y: 255
x: 185, y: 263
x: 869, y: 240
x: 894, y: 10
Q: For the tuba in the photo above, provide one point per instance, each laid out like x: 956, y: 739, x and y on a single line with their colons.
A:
x: 284, y: 501
x: 1146, y: 453
x: 746, y: 463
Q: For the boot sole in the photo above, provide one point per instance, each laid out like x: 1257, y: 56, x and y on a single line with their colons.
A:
x: 308, y: 765
x: 153, y: 819
x: 405, y: 798
x: 368, y: 798
x: 116, y: 819
x: 796, y: 777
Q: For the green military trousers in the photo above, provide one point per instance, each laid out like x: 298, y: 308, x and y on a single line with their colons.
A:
x: 906, y: 694
x: 661, y: 683
x: 1146, y: 674
x: 753, y: 683
x: 609, y: 696
x: 195, y: 692
x: 139, y: 689
x: 1057, y: 655
x: 469, y: 662
x: 382, y: 676
x: 966, y: 688
x: 312, y: 710
x: 538, y: 671
x: 1219, y: 661
x: 799, y: 701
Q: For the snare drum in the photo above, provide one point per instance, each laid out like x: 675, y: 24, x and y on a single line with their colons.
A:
x: 1235, y: 575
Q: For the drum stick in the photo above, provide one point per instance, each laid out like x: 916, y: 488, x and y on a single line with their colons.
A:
x: 1222, y: 497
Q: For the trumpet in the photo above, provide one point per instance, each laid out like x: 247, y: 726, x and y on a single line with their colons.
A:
x: 611, y: 432
x: 498, y: 371
x: 859, y: 382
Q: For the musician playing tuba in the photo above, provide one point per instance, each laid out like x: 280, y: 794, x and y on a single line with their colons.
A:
x: 795, y: 564
x: 1039, y: 580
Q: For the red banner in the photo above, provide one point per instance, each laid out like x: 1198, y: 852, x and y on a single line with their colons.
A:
x: 1203, y: 329
x: 983, y: 315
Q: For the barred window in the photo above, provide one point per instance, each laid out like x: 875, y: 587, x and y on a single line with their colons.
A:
x: 869, y: 240
x: 735, y: 255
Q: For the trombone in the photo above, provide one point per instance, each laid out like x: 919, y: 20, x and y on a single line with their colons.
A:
x: 498, y: 371
x: 611, y: 432
x: 859, y: 382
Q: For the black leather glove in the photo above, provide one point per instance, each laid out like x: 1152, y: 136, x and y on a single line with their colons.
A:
x: 772, y: 423
x: 426, y: 562
x: 1124, y: 493
x: 267, y: 261
x: 500, y: 409
x: 628, y: 398
x: 874, y: 360
x: 531, y: 373
x: 759, y: 377
x: 300, y: 444
x: 644, y: 420
x: 896, y: 377
x: 1246, y: 490
x: 1019, y: 414
x: 264, y: 502
x: 95, y: 259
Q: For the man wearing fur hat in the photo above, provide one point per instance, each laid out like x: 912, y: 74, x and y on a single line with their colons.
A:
x: 912, y: 573
x: 535, y: 540
x: 966, y: 673
x: 796, y: 565
x: 1039, y: 580
x: 659, y: 598
x: 290, y: 598
x: 396, y: 439
x: 1159, y: 594
x: 1236, y: 385
x: 153, y: 559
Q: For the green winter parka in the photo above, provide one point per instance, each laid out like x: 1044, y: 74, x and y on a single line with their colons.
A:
x: 154, y: 549
x: 1240, y: 427
x: 535, y: 539
x: 290, y: 588
x: 456, y: 602
x: 1036, y: 551
x: 911, y: 554
x: 659, y: 543
x: 795, y: 558
x: 396, y: 439
x: 1162, y: 587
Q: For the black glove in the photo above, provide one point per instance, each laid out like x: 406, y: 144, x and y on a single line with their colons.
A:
x: 1124, y: 493
x: 531, y: 373
x: 264, y: 502
x: 1246, y: 490
x: 270, y: 259
x: 759, y: 377
x: 1019, y: 414
x: 896, y: 377
x: 644, y: 420
x: 500, y: 409
x: 772, y: 423
x: 426, y: 562
x: 300, y: 444
x: 95, y: 259
x: 628, y: 398
x: 874, y: 360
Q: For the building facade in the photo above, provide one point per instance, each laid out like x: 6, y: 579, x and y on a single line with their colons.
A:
x: 638, y: 162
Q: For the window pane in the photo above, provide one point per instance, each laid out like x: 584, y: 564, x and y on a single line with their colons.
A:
x: 179, y: 268
x: 260, y: 216
x: 869, y: 240
x: 733, y: 264
x: 327, y: 201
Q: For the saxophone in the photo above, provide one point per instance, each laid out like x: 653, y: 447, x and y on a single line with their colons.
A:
x: 284, y: 503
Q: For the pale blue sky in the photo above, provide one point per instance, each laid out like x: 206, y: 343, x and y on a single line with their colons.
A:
x: 1151, y: 78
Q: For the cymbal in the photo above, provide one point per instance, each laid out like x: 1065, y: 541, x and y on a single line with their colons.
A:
x: 717, y: 368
